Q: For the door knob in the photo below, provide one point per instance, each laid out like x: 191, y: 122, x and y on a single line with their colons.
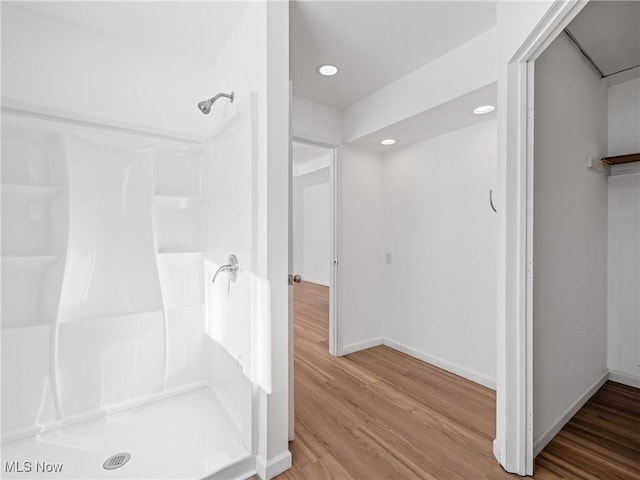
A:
x: 295, y: 279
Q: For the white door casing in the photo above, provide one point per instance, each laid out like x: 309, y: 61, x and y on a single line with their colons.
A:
x: 513, y: 446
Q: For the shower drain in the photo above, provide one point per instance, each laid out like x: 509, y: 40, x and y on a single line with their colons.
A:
x: 116, y: 461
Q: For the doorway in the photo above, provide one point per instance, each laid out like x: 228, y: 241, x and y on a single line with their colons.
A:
x: 313, y: 245
x: 313, y: 257
x: 567, y: 161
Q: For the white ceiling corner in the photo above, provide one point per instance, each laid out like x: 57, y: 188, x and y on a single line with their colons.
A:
x: 609, y: 33
x: 194, y: 30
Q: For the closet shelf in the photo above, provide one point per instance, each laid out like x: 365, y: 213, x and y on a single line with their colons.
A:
x: 171, y: 201
x: 619, y: 159
x: 12, y: 191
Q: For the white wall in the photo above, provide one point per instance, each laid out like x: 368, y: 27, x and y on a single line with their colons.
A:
x: 274, y: 449
x: 99, y: 76
x: 440, y: 300
x: 314, y: 121
x: 312, y: 226
x: 623, y: 357
x: 360, y: 249
x: 360, y: 227
x: 570, y: 237
x: 466, y: 68
x: 624, y: 118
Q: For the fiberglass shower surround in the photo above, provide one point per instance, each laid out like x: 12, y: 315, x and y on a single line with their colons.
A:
x: 120, y: 201
x: 112, y: 334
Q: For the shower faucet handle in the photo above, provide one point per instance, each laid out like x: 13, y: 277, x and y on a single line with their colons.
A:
x: 231, y: 268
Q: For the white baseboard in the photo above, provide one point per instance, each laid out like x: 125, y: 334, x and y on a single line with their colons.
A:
x: 275, y: 466
x: 552, y: 431
x: 624, y: 378
x: 496, y: 450
x: 356, y: 347
x: 440, y: 363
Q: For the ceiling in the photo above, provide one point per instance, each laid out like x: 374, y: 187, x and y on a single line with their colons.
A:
x: 189, y: 29
x: 374, y: 43
x: 447, y: 117
x: 609, y: 33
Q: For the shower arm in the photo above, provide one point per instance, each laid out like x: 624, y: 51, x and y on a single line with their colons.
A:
x: 225, y: 95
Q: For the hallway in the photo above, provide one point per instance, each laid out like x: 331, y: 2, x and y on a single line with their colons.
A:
x: 380, y: 414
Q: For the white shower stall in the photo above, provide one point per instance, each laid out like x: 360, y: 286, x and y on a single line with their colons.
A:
x: 120, y: 200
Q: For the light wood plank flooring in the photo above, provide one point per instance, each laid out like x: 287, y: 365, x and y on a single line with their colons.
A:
x: 380, y: 414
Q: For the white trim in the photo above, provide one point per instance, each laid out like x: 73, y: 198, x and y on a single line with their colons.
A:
x: 356, y: 347
x: 241, y: 470
x: 425, y: 357
x: 496, y: 449
x: 568, y: 414
x: 624, y: 378
x: 552, y: 24
x: 275, y: 466
x: 528, y: 421
x: 515, y: 383
x: 440, y: 363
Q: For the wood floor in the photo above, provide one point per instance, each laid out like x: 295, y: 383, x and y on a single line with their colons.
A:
x: 380, y: 414
x: 601, y: 441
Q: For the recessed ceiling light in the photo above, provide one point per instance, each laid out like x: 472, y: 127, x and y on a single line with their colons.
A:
x: 484, y: 109
x: 328, y: 70
x: 388, y: 141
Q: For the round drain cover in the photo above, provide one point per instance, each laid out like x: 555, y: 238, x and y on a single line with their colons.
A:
x: 116, y: 461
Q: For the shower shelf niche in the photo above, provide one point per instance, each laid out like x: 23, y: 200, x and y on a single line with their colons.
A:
x: 12, y: 191
x: 178, y: 201
x: 178, y: 230
x: 33, y: 258
x: 34, y: 222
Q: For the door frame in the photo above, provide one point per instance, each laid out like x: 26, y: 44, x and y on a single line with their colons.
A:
x: 333, y: 277
x: 513, y: 446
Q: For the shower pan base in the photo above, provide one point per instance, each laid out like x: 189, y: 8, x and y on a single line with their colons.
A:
x: 186, y: 437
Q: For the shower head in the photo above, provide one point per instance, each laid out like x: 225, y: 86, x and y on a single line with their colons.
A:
x: 205, y: 105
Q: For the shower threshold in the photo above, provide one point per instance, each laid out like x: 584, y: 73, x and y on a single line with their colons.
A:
x: 185, y: 437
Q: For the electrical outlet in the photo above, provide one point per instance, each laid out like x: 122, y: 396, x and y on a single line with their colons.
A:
x: 388, y: 259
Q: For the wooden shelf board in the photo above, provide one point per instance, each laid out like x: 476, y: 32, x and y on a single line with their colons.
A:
x: 617, y: 160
